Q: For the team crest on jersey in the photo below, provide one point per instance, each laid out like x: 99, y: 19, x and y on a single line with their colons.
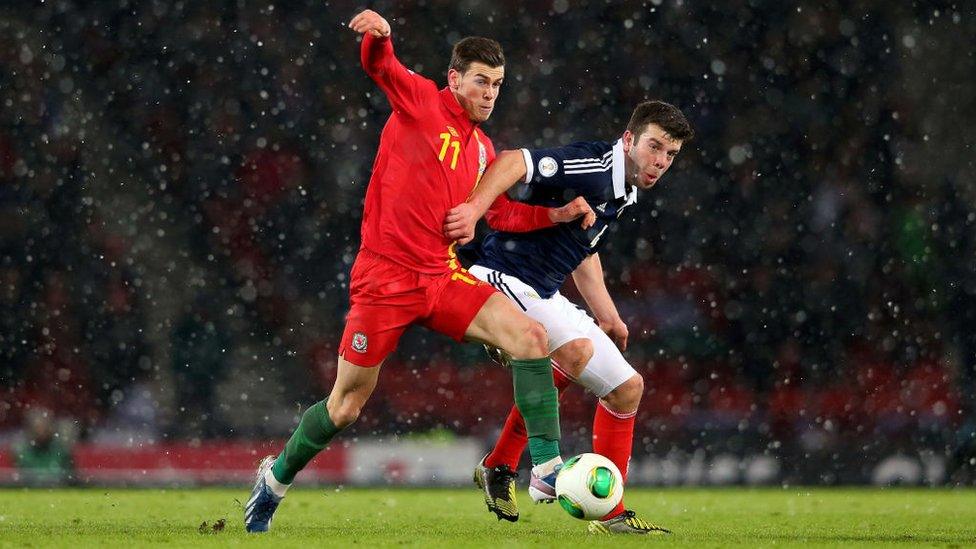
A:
x: 482, y: 160
x: 359, y: 342
x: 548, y: 166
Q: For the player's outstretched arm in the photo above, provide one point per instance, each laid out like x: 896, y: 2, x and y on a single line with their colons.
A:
x: 510, y: 216
x: 505, y: 171
x: 589, y: 281
x: 409, y: 93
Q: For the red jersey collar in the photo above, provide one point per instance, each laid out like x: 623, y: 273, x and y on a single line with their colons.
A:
x: 453, y: 106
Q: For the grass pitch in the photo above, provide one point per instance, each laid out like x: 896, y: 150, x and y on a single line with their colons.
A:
x: 457, y: 518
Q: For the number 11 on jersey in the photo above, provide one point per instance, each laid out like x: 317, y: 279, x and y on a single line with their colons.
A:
x: 456, y: 145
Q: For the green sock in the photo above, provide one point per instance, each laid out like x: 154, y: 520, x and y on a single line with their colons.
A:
x: 538, y: 402
x: 313, y: 433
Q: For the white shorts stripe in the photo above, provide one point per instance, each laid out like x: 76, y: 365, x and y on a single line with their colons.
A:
x: 495, y: 280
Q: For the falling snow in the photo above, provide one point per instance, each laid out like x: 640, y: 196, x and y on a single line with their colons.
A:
x: 181, y: 189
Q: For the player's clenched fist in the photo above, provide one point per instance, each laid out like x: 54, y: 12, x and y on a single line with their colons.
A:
x: 371, y: 22
x: 460, y: 222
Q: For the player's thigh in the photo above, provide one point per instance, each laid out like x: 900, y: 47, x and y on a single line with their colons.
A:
x: 468, y: 309
x: 455, y: 300
x: 355, y: 380
x: 608, y: 368
x: 563, y: 321
x: 500, y: 323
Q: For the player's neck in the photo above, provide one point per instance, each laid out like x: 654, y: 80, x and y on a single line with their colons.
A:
x: 630, y: 171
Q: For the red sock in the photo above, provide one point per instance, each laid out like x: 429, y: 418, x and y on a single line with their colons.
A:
x: 613, y: 437
x: 513, y: 438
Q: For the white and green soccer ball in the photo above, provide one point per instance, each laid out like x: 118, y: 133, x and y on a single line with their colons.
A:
x: 589, y: 486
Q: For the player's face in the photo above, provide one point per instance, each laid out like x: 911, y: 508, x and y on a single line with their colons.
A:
x: 649, y: 155
x: 477, y: 89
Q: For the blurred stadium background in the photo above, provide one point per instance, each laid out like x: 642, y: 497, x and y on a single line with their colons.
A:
x: 180, y: 197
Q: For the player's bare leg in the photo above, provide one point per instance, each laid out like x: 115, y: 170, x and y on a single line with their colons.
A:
x: 501, y: 324
x: 320, y: 423
x: 353, y: 387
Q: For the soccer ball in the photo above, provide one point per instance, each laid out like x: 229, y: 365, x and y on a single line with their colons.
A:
x: 589, y: 486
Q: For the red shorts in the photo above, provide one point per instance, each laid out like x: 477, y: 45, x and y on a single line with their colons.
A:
x: 385, y: 298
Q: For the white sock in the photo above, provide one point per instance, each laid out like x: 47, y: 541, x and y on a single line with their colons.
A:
x: 277, y: 488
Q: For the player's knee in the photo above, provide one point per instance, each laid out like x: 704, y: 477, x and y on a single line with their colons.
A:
x: 535, y: 341
x: 343, y: 411
x: 626, y: 397
x: 528, y: 339
x: 345, y: 416
x: 574, y: 356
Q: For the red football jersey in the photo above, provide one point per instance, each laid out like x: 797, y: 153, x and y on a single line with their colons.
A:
x: 430, y: 158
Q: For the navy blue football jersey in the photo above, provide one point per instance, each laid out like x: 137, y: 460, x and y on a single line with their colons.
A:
x: 544, y: 258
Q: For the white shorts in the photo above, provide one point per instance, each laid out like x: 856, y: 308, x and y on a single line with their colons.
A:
x: 565, y: 321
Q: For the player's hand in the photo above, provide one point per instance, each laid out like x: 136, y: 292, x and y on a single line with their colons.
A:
x: 617, y: 331
x: 460, y: 223
x: 575, y: 209
x: 371, y: 22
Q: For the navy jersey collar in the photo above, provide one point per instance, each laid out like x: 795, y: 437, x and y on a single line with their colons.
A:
x: 620, y: 187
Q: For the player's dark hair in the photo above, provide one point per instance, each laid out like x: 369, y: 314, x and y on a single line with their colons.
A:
x: 666, y: 115
x: 476, y: 48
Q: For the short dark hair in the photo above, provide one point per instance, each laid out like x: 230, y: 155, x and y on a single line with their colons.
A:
x: 476, y: 48
x: 666, y: 115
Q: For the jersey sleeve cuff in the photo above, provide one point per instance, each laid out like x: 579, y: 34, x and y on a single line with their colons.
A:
x: 528, y: 165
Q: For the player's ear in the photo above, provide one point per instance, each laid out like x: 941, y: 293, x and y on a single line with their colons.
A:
x: 453, y: 79
x: 628, y: 140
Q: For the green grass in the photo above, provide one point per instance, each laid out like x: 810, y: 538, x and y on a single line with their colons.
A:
x: 457, y: 518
